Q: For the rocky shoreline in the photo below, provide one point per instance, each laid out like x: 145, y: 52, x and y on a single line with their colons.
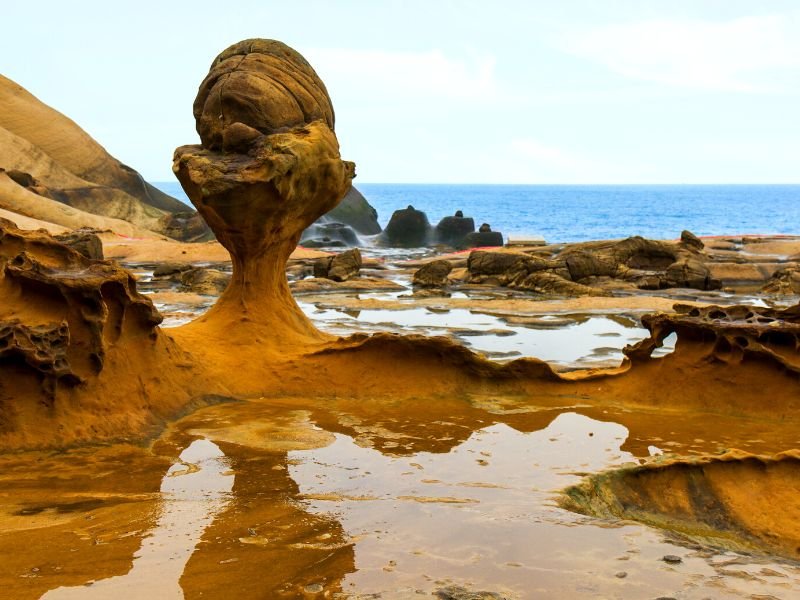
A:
x: 181, y: 357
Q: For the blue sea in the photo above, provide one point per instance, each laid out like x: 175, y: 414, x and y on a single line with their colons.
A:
x: 570, y: 213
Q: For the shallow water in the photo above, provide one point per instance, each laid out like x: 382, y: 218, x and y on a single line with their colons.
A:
x: 330, y: 498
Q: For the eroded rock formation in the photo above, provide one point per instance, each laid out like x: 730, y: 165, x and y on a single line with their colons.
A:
x: 735, y: 500
x: 259, y: 184
x: 269, y: 166
x: 50, y: 163
x: 595, y: 268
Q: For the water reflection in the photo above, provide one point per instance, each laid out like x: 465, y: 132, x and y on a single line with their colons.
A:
x: 194, y: 490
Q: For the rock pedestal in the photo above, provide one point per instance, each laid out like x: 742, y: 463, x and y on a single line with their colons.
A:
x: 269, y: 166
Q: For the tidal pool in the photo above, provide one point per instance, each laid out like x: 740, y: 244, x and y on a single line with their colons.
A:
x: 338, y: 498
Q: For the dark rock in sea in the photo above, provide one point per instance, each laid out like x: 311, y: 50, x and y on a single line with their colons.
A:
x: 340, y: 267
x: 434, y: 274
x: 316, y: 235
x: 408, y: 228
x: 452, y: 230
x: 84, y: 241
x: 481, y: 239
x: 207, y: 282
x: 342, y: 225
x: 354, y: 210
x: 324, y: 242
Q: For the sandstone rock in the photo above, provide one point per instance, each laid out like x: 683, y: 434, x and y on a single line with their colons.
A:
x: 51, y: 157
x: 85, y: 241
x: 258, y: 203
x: 784, y: 282
x: 690, y: 273
x: 691, y: 241
x: 584, y: 264
x: 434, y: 274
x: 170, y: 268
x: 453, y: 230
x: 264, y: 85
x: 43, y: 348
x: 408, y: 228
x: 340, y: 267
x: 207, y: 282
x: 95, y: 299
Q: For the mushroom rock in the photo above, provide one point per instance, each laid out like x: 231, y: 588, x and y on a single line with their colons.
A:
x: 258, y: 86
x: 268, y: 167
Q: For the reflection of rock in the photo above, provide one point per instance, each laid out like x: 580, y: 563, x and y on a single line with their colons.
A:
x: 433, y: 274
x: 735, y: 500
x: 340, y: 267
x: 408, y: 228
x: 53, y: 162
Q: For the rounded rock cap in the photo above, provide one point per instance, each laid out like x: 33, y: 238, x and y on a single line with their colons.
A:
x: 263, y: 84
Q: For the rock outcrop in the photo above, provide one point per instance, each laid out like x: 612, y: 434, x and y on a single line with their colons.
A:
x: 408, y: 228
x: 340, y: 267
x: 483, y: 238
x: 77, y: 342
x: 341, y: 226
x: 355, y: 211
x: 48, y: 155
x: 269, y: 166
x: 451, y: 231
x: 736, y: 500
x: 433, y: 274
x: 595, y: 268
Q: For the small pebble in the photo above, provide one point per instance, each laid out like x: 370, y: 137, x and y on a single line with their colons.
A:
x: 672, y: 559
x: 314, y: 588
x: 621, y: 575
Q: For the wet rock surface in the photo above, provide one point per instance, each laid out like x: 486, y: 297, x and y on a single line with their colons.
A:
x: 434, y: 274
x: 408, y: 228
x: 340, y: 267
x: 708, y: 498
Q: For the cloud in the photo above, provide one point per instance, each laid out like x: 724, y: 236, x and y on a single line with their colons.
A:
x: 741, y: 55
x: 407, y: 74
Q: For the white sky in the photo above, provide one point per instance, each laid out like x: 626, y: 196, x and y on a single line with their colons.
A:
x: 627, y: 91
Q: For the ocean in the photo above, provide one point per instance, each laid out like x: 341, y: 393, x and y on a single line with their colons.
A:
x: 572, y: 213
